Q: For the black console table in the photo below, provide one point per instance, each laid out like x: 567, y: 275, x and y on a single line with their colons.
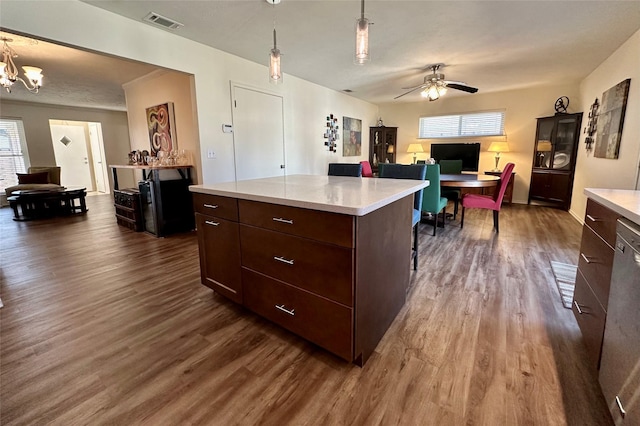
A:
x: 166, y: 204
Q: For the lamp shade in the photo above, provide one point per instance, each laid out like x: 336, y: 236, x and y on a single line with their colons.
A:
x: 498, y: 147
x: 390, y: 149
x: 544, y: 146
x: 415, y: 147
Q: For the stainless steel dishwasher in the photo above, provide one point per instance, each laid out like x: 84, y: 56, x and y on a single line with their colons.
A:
x: 620, y: 366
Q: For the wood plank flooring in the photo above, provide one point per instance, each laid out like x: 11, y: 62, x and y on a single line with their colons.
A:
x: 102, y: 325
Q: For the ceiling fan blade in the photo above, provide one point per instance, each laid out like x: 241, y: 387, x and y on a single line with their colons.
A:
x: 415, y: 87
x: 412, y: 90
x: 461, y: 86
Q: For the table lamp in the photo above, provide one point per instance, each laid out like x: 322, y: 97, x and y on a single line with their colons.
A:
x: 415, y: 148
x: 498, y: 147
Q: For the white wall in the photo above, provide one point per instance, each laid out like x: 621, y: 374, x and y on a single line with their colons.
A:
x: 522, y: 107
x: 157, y: 88
x: 36, y: 118
x: 306, y: 104
x: 622, y: 173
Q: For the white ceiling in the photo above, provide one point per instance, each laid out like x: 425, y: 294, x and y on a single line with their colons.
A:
x: 492, y: 45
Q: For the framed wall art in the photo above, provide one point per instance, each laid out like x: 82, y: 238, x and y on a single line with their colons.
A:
x: 352, y: 137
x: 610, y: 120
x: 162, y: 128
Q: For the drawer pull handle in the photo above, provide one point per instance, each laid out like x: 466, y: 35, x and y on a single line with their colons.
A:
x: 211, y: 206
x: 586, y: 259
x: 622, y: 411
x: 593, y: 219
x: 212, y: 223
x: 283, y: 309
x: 287, y: 221
x: 577, y: 305
x: 283, y: 260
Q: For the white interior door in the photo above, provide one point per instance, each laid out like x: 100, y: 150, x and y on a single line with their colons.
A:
x: 258, y: 134
x: 97, y: 155
x: 70, y: 146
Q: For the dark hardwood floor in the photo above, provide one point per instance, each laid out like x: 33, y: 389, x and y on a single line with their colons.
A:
x: 102, y: 325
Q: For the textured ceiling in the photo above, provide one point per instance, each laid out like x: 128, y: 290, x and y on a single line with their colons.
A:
x: 492, y: 45
x: 73, y: 77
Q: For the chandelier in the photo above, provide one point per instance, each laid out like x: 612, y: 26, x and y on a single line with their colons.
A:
x: 9, y: 71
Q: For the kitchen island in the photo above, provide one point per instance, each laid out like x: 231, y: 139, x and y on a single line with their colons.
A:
x: 325, y: 257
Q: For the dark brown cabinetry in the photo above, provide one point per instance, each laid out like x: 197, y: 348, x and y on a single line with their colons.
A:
x: 591, y: 296
x: 382, y: 145
x: 554, y: 158
x: 318, y: 274
x: 219, y: 244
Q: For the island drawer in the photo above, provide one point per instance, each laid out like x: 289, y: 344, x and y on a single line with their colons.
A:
x: 590, y: 316
x: 314, y: 318
x: 215, y: 205
x: 317, y: 225
x: 595, y: 263
x: 324, y: 269
x: 602, y: 220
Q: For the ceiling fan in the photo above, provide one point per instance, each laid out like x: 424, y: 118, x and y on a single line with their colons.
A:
x: 435, y: 85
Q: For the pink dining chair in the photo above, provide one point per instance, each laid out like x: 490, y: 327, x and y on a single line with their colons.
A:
x: 366, y: 169
x: 491, y: 202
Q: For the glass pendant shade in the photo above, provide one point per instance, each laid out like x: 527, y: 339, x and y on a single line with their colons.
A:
x: 275, y: 71
x: 362, y: 41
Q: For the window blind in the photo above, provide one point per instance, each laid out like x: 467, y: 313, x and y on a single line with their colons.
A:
x: 12, y: 155
x: 462, y: 125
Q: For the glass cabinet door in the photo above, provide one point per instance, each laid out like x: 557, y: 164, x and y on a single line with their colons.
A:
x: 564, y: 142
x: 544, y: 143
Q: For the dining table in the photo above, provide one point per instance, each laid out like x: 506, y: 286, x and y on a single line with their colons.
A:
x: 468, y: 180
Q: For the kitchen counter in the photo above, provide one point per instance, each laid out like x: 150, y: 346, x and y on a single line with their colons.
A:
x: 336, y: 194
x: 625, y: 202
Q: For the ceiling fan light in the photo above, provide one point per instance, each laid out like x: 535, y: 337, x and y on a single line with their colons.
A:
x: 362, y: 41
x: 432, y: 93
x: 442, y: 90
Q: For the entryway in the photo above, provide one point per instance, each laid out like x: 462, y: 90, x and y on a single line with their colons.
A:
x: 79, y: 151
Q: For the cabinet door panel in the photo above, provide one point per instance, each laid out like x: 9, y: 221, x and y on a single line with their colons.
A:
x: 318, y: 320
x: 596, y: 259
x: 590, y: 317
x: 219, y: 245
x: 539, y: 184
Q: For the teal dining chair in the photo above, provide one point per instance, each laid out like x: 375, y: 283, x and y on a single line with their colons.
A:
x: 432, y: 200
x: 452, y: 167
x: 413, y: 171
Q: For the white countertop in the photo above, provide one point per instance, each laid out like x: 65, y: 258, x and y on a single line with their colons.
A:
x: 625, y: 202
x: 337, y: 194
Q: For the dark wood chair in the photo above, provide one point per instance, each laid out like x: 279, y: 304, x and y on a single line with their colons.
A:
x: 345, y: 169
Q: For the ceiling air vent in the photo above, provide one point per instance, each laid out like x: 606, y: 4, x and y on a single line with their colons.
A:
x: 162, y: 21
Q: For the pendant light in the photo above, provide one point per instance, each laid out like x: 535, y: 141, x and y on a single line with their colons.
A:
x: 362, y: 38
x: 275, y: 69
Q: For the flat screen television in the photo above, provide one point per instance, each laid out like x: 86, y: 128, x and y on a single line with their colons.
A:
x: 469, y: 153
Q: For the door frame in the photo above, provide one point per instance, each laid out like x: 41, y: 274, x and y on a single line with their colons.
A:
x: 232, y: 88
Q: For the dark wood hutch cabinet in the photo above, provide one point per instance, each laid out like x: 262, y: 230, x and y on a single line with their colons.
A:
x: 554, y: 159
x: 382, y: 145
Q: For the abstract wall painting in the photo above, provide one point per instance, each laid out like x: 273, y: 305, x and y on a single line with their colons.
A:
x: 162, y: 128
x: 610, y: 120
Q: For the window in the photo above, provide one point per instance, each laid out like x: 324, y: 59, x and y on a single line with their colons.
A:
x: 13, y: 153
x: 462, y: 125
